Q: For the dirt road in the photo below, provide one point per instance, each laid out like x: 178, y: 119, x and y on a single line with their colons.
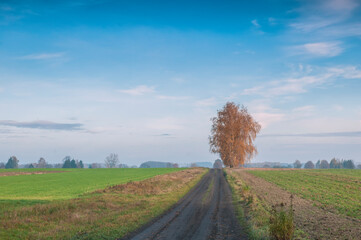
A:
x: 206, y: 212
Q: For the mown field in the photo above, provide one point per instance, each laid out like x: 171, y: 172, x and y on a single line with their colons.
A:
x: 338, y: 189
x: 88, y: 203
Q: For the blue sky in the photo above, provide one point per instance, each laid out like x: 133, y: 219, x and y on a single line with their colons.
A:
x: 143, y: 78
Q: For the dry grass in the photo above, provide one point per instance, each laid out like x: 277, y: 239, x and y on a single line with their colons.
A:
x: 105, y: 214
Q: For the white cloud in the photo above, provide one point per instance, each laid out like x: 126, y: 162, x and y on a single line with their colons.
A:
x: 139, y: 90
x: 302, y: 84
x: 340, y: 5
x: 207, y: 102
x: 320, y: 14
x: 255, y: 23
x: 175, y: 98
x: 350, y: 72
x: 264, y: 113
x: 339, y: 31
x: 329, y: 49
x: 47, y: 125
x: 254, y: 90
x: 285, y: 87
x: 266, y: 118
x: 42, y: 56
x: 303, y: 109
x: 313, y: 23
x: 319, y: 49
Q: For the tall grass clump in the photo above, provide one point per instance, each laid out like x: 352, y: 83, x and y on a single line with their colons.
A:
x: 281, y: 225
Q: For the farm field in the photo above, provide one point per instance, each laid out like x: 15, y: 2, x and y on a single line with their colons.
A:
x: 334, y: 189
x: 326, y: 203
x: 66, y: 184
x: 89, y: 204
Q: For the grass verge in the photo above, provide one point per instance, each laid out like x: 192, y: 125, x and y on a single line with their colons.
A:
x: 251, y: 212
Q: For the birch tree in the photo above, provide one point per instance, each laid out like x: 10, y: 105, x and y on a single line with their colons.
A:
x: 232, y: 135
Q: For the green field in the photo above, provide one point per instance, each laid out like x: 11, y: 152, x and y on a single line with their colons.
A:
x: 37, y: 188
x: 66, y: 205
x: 336, y: 189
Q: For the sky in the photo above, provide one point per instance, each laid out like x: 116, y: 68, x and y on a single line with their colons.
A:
x: 143, y: 78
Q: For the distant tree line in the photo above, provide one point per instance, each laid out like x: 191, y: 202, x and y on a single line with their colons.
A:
x: 324, y: 164
x: 111, y: 161
x: 72, y: 163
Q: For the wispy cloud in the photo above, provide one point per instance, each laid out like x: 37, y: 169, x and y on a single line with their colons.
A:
x: 319, y: 14
x: 6, y: 8
x: 208, y: 102
x: 341, y: 31
x: 46, y: 125
x: 308, y: 108
x: 139, y: 90
x: 339, y: 5
x: 174, y: 98
x: 302, y: 84
x: 267, y: 118
x: 328, y: 134
x: 42, y: 56
x: 319, y: 49
x: 285, y: 87
x: 255, y: 23
x: 349, y: 72
x: 163, y: 135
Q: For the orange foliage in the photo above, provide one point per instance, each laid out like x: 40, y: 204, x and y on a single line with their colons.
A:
x: 232, y: 135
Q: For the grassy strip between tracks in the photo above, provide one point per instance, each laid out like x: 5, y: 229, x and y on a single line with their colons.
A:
x: 104, y: 214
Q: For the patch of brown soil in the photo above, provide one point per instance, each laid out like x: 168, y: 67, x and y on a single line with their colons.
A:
x: 5, y: 174
x: 317, y: 223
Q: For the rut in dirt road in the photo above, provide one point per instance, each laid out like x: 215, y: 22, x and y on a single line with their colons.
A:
x: 206, y: 212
